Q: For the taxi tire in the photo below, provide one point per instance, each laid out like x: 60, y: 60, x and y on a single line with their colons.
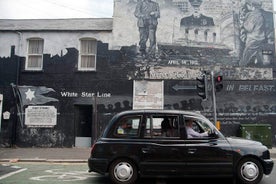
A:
x: 123, y: 171
x: 249, y: 171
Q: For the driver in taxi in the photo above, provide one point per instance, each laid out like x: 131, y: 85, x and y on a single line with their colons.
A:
x: 191, y: 133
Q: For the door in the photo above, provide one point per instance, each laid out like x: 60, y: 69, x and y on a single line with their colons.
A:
x: 206, y: 154
x: 162, y: 147
x: 208, y: 157
x: 83, y: 125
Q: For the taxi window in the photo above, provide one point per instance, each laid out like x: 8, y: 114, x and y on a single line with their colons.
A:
x: 196, y: 128
x: 128, y: 127
x: 159, y: 126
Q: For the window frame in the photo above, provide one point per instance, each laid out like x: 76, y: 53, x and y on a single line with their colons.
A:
x: 157, y: 133
x: 117, y: 134
x: 82, y: 54
x: 201, y: 123
x: 40, y: 55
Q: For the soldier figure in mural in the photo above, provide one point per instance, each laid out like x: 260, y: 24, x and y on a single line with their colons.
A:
x: 252, y: 32
x: 147, y: 13
x: 196, y: 19
x: 256, y: 33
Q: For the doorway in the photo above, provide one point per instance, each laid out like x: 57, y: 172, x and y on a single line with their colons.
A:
x: 83, y: 125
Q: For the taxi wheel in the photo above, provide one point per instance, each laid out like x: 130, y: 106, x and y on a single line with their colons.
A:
x: 123, y: 171
x: 249, y: 171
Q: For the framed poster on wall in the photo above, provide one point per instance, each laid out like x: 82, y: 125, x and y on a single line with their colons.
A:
x: 40, y: 116
x: 148, y: 94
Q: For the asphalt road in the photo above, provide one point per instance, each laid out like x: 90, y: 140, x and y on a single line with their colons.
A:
x: 36, y: 173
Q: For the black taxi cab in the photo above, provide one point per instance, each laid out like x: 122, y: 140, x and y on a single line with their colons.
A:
x: 157, y: 143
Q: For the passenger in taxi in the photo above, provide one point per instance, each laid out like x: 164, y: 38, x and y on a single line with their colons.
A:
x: 166, y: 129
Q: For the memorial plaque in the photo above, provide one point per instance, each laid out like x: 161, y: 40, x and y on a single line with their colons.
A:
x: 41, y: 116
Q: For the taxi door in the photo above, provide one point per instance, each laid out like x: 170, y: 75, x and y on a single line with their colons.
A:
x: 207, y: 155
x: 162, y: 152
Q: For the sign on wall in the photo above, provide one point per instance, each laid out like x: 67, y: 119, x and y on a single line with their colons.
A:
x: 40, y: 116
x: 148, y: 95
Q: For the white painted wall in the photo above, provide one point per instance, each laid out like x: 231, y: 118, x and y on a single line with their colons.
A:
x: 54, y: 42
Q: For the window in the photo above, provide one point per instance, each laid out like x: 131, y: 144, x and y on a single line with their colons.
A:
x: 35, y: 54
x: 87, y: 57
x: 206, y: 35
x: 214, y: 37
x: 196, y: 34
x: 197, y: 128
x: 128, y: 127
x: 160, y: 126
x: 183, y: 6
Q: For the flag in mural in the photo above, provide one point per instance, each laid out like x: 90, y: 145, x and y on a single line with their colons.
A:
x: 31, y: 95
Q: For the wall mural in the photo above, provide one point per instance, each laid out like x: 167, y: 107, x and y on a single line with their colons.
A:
x: 42, y: 137
x: 170, y: 40
x: 196, y: 34
x: 174, y: 40
x: 31, y: 95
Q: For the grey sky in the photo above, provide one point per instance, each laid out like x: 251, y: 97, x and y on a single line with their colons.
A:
x: 54, y: 9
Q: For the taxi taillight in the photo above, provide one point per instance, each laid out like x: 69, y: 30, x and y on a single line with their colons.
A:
x: 92, y: 147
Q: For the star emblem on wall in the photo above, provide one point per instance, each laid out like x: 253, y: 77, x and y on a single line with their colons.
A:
x: 30, y: 94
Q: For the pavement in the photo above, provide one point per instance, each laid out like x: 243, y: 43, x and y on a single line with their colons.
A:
x: 68, y: 155
x: 56, y: 155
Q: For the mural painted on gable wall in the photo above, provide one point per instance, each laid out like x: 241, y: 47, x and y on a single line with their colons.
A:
x: 196, y: 34
x: 177, y: 39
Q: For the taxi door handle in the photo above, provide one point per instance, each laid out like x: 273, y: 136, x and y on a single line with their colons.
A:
x: 191, y: 151
x: 145, y: 150
x: 175, y: 149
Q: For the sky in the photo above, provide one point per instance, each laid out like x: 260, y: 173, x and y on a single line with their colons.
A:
x: 55, y: 9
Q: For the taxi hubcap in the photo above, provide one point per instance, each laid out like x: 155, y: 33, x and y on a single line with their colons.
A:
x: 249, y: 171
x: 123, y: 171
